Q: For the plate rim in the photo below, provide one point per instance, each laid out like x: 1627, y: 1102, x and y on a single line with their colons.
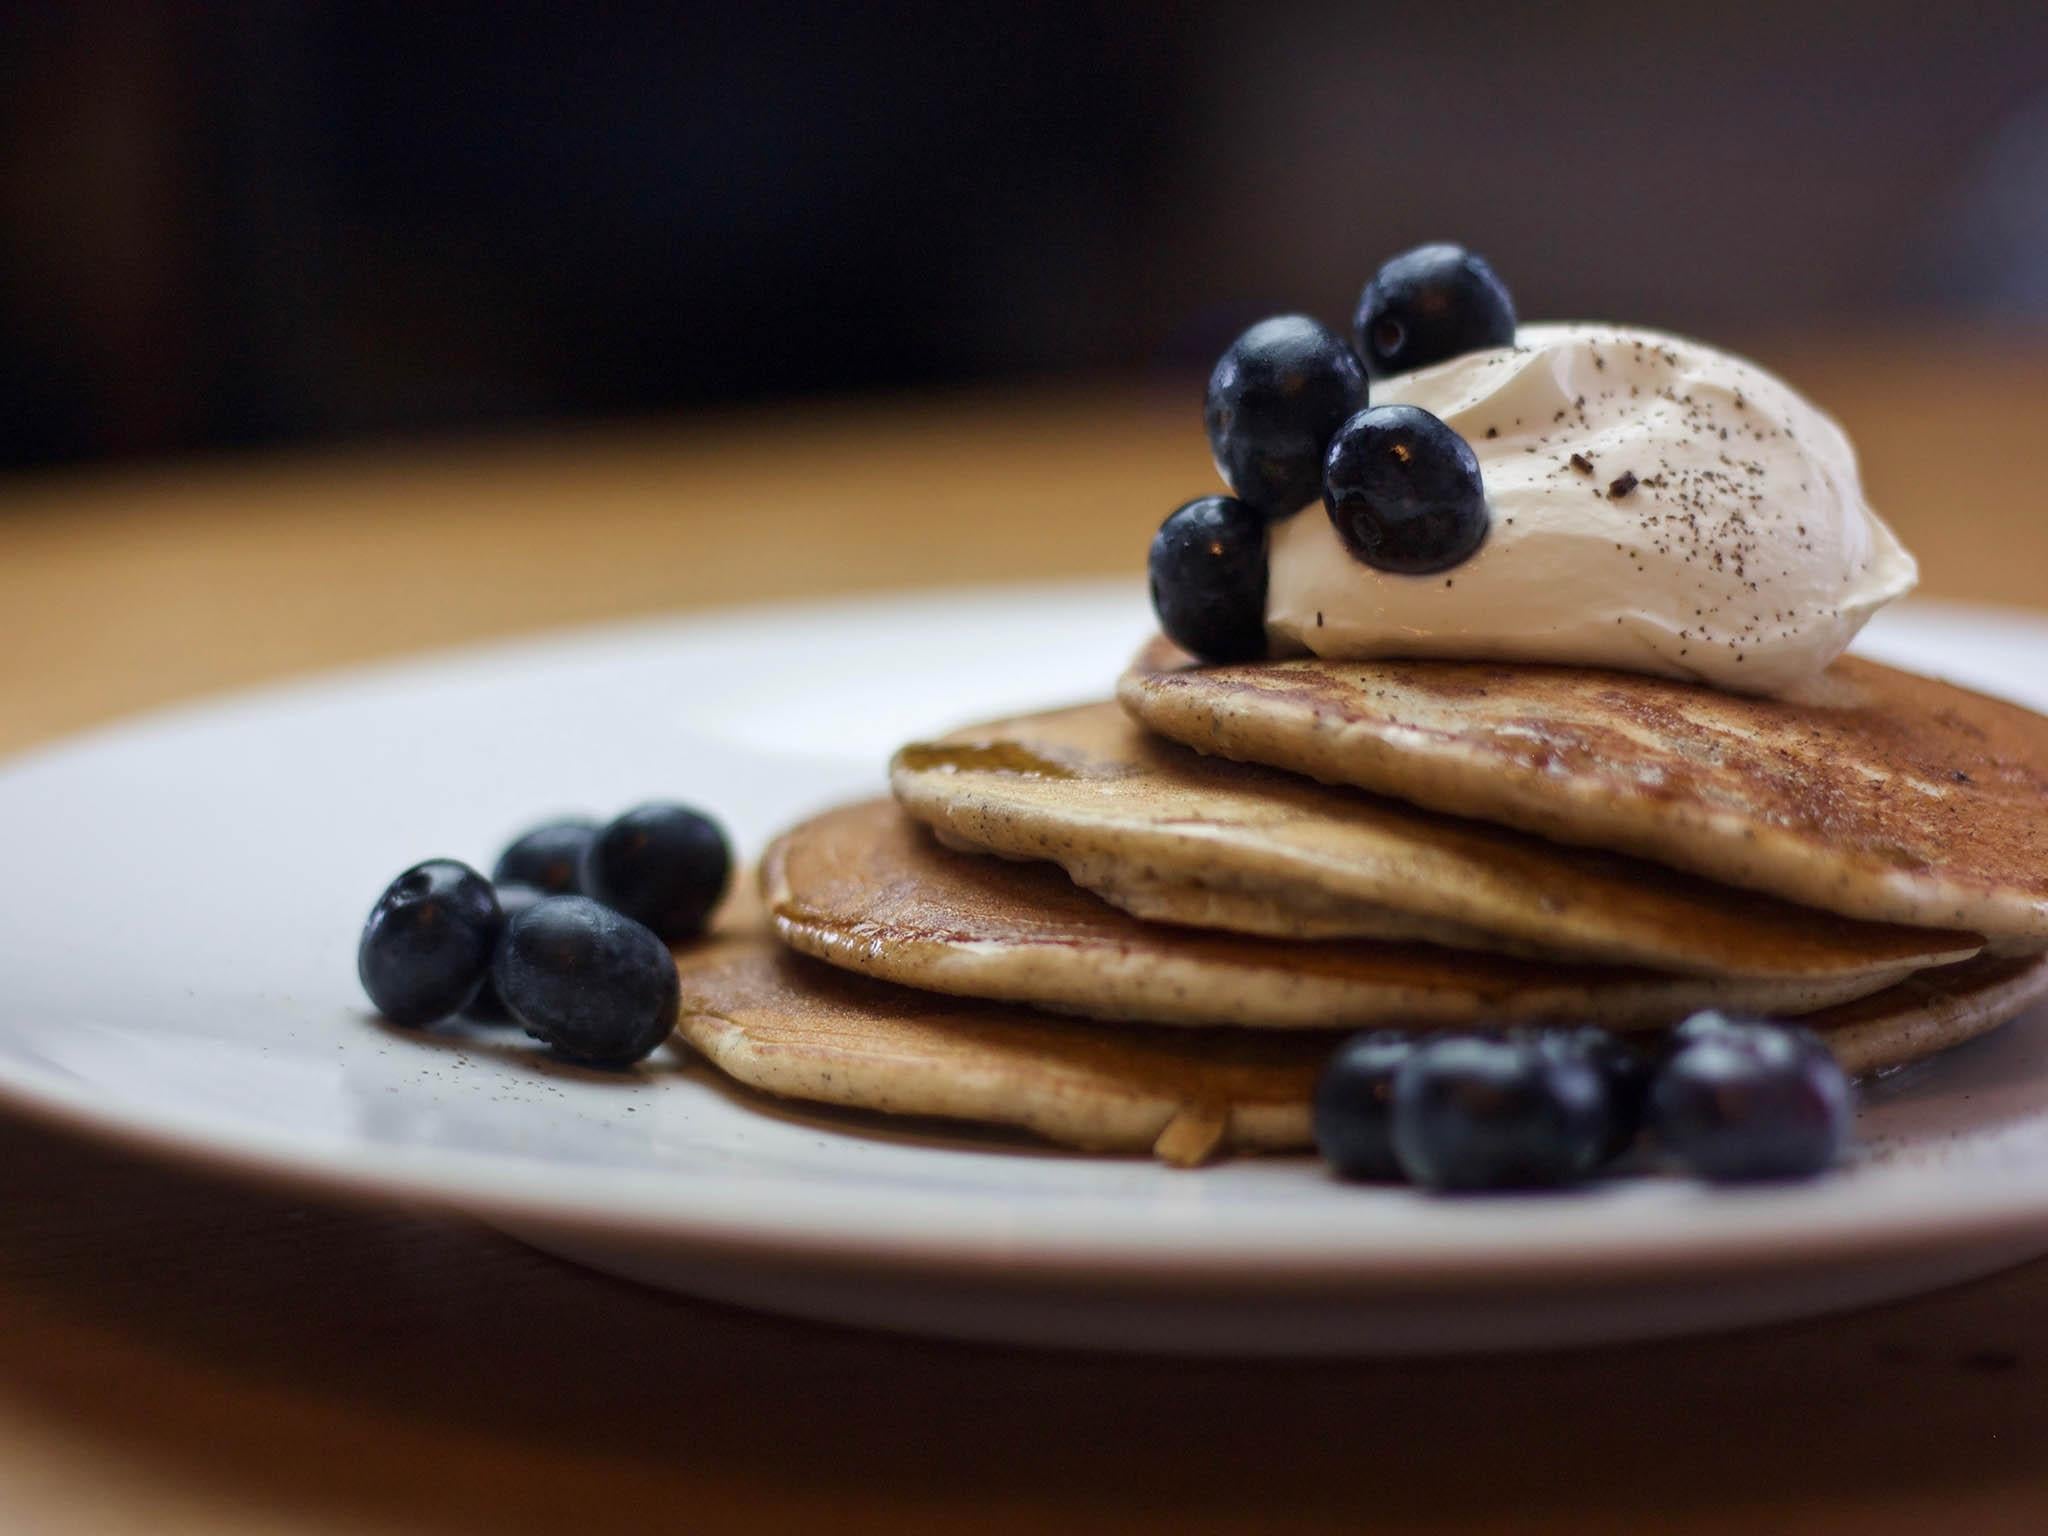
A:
x: 1803, y: 1223
x: 1892, y: 1211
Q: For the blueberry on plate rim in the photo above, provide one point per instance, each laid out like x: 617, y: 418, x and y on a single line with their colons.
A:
x: 548, y: 857
x: 487, y: 1007
x: 1354, y: 1106
x: 1207, y: 568
x: 1275, y: 399
x: 1708, y: 1021
x: 1488, y: 1112
x: 1403, y: 490
x: 1430, y: 304
x: 1738, y: 1102
x: 662, y: 864
x: 1627, y: 1069
x: 597, y: 987
x: 427, y: 942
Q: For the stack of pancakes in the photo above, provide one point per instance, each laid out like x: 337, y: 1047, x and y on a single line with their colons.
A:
x: 1144, y: 923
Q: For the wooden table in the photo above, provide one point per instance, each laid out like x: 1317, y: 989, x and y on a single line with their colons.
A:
x: 182, y: 1353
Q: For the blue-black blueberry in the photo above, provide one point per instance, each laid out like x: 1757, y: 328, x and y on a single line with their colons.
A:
x: 661, y: 864
x: 599, y: 988
x: 1208, y: 574
x: 1738, y: 1101
x: 1708, y: 1021
x: 1275, y: 399
x: 427, y: 942
x: 1627, y: 1070
x: 1429, y: 304
x: 1476, y: 1112
x: 1354, y: 1106
x: 1403, y: 491
x: 487, y: 1007
x: 548, y: 857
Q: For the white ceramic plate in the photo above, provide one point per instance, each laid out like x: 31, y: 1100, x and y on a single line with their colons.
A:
x: 177, y: 935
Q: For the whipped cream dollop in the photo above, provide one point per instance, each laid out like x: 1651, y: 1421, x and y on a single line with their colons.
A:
x: 1657, y: 506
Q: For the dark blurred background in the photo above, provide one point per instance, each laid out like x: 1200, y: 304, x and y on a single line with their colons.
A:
x: 243, y: 224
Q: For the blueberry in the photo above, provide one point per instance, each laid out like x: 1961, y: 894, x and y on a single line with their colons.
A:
x: 1403, y: 491
x: 1739, y: 1101
x: 661, y: 864
x: 1709, y: 1021
x: 1208, y: 570
x: 1476, y: 1112
x: 487, y: 1007
x: 1275, y: 399
x: 428, y: 941
x: 1627, y: 1071
x: 547, y: 857
x: 599, y: 988
x: 1429, y: 304
x: 1354, y: 1105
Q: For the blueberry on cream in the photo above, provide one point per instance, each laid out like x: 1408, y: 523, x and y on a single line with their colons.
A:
x: 1208, y: 576
x: 1429, y: 304
x: 1403, y: 491
x: 1275, y: 399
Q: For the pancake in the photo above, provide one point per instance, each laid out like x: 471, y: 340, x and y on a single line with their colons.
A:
x: 865, y: 889
x: 1876, y: 794
x: 784, y: 1025
x: 792, y: 1027
x: 1931, y: 1011
x: 1173, y: 836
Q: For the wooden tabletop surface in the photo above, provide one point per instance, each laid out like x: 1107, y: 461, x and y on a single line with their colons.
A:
x: 182, y: 1353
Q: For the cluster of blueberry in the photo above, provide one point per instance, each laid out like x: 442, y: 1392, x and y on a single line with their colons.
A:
x: 1722, y: 1099
x: 1290, y: 419
x: 568, y: 938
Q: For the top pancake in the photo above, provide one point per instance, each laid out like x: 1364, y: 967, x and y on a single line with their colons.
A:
x: 1173, y: 836
x: 1875, y: 793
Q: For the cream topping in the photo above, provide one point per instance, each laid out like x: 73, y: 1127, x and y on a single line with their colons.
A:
x: 1657, y: 506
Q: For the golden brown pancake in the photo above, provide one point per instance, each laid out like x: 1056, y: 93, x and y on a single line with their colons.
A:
x: 866, y: 889
x: 1876, y: 794
x: 1931, y: 1011
x: 786, y: 1025
x: 1173, y: 836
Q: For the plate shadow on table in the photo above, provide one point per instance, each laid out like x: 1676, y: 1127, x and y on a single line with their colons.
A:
x: 404, y: 1367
